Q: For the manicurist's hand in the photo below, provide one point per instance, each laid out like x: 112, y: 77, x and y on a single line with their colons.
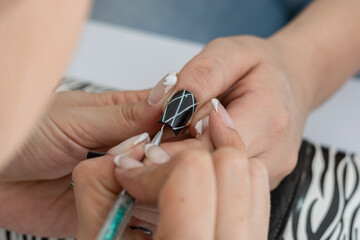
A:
x: 37, y: 182
x: 222, y: 195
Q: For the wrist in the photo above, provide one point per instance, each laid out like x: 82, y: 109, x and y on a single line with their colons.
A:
x: 303, y: 68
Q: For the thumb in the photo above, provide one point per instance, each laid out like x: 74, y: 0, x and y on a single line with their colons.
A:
x: 95, y: 189
x: 97, y: 127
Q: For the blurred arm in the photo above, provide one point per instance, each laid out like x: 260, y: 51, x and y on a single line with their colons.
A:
x: 36, y: 42
x: 322, y: 46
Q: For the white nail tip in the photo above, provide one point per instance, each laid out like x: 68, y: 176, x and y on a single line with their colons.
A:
x: 143, y: 137
x: 170, y: 81
x: 116, y: 160
x: 147, y: 146
x: 215, y: 103
x: 198, y: 128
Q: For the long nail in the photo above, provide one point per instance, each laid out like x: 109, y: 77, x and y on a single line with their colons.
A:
x: 156, y: 154
x: 162, y: 88
x: 225, y: 117
x: 129, y: 143
x: 126, y: 162
x: 201, y: 126
x: 179, y: 110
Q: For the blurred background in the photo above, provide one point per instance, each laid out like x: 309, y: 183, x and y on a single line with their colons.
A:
x: 132, y: 44
x: 199, y: 20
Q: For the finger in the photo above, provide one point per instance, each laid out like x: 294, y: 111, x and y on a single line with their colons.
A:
x: 96, y: 186
x: 137, y: 181
x: 187, y: 201
x: 120, y: 97
x: 96, y: 127
x: 146, y: 215
x: 80, y: 98
x: 260, y: 200
x: 133, y: 147
x: 222, y: 129
x: 155, y: 155
x: 218, y: 66
x: 174, y: 148
x: 95, y: 189
x: 267, y: 117
x: 233, y: 194
x: 187, y: 182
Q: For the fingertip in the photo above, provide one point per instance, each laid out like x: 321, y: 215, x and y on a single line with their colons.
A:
x: 223, y: 135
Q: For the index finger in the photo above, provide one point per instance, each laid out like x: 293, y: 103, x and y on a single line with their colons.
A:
x: 218, y: 66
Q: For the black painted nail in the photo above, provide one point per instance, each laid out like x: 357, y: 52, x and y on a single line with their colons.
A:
x: 179, y: 110
x: 145, y: 230
x: 93, y: 154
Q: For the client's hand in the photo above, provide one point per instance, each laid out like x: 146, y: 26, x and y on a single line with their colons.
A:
x: 262, y: 90
x: 37, y: 183
x: 199, y: 195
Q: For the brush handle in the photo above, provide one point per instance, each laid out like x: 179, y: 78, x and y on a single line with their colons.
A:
x: 118, y: 218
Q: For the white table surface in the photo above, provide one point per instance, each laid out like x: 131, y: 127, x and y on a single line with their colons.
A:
x: 129, y: 59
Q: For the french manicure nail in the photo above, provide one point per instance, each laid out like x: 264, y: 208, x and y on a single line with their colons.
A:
x: 129, y: 143
x: 126, y: 162
x: 156, y: 154
x: 201, y: 126
x: 162, y: 88
x: 179, y: 110
x: 215, y: 102
x: 225, y: 117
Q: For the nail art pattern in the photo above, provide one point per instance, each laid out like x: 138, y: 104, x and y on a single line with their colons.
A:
x: 179, y: 110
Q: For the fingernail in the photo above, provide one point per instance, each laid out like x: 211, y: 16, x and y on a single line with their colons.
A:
x: 219, y: 108
x: 179, y: 110
x: 201, y: 126
x: 129, y: 143
x: 126, y: 162
x: 162, y: 88
x: 156, y: 154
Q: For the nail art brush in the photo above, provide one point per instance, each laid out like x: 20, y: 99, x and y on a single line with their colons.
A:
x: 120, y: 212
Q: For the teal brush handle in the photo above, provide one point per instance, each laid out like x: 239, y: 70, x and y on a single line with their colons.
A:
x: 118, y: 217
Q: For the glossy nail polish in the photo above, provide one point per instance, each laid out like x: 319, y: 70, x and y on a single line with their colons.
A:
x: 179, y: 110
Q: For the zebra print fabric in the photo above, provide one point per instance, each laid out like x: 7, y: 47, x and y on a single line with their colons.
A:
x: 320, y: 199
x: 328, y: 201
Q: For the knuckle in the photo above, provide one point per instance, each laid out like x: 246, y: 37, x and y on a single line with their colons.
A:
x: 204, y: 71
x: 229, y: 157
x: 128, y: 114
x: 193, y: 162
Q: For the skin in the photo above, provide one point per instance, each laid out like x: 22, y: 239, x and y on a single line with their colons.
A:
x: 268, y: 86
x: 39, y: 187
x: 30, y: 66
x: 229, y: 192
